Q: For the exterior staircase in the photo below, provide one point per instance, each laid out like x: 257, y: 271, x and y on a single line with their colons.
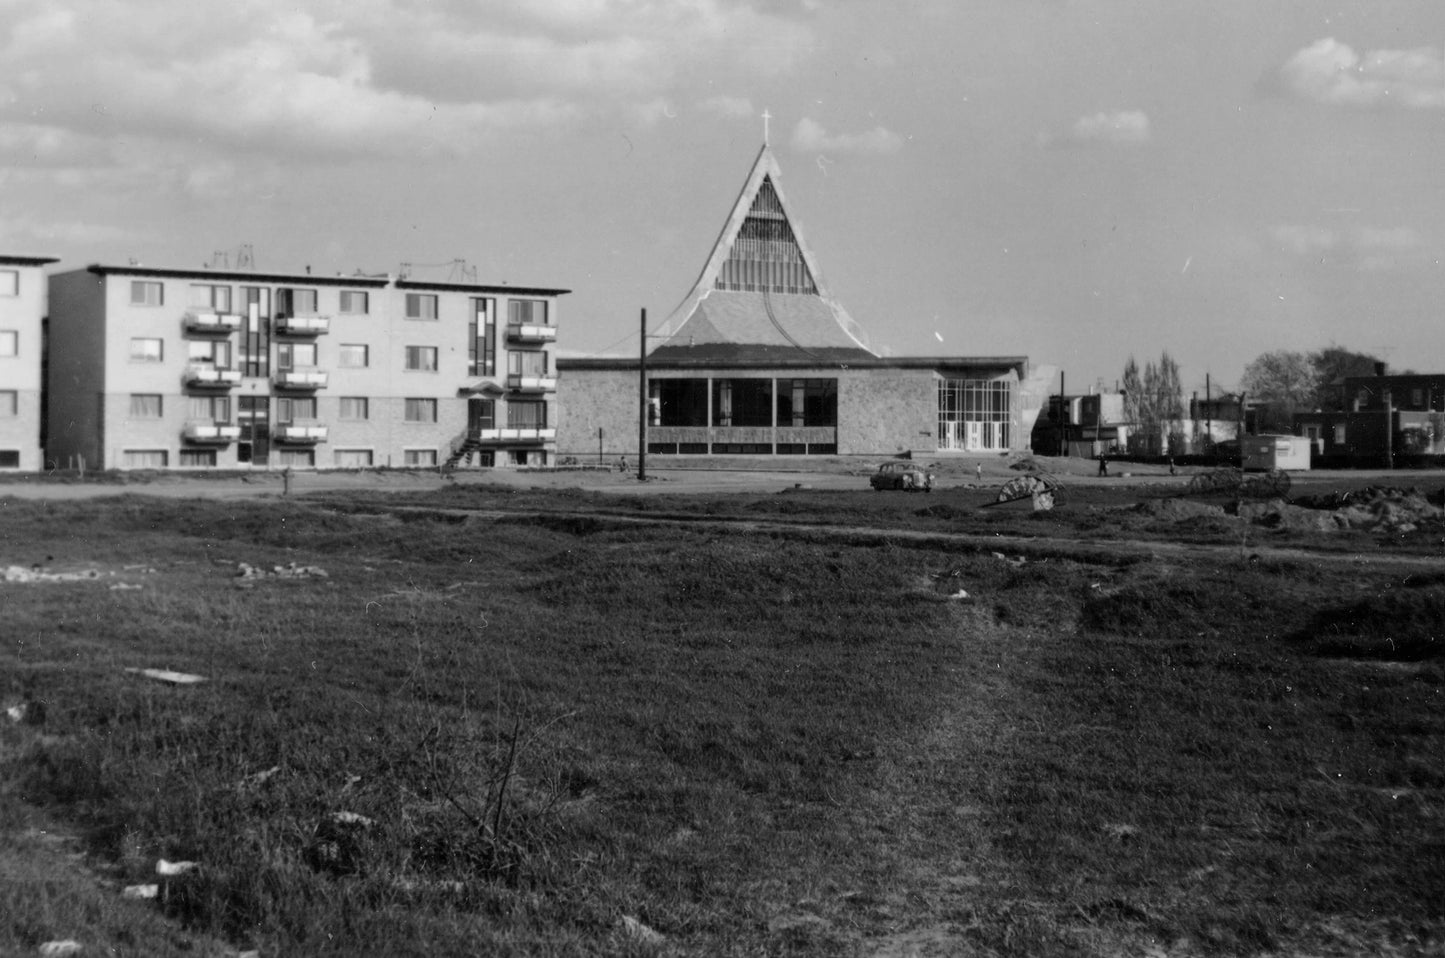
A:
x: 463, y: 448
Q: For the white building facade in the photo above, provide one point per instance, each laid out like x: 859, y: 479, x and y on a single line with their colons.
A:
x: 198, y: 369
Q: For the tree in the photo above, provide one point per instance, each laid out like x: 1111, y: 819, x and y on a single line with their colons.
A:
x: 1332, y: 364
x: 1283, y: 381
x: 1154, y: 403
x: 1133, y: 392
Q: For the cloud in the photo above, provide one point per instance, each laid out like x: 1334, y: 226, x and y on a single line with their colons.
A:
x: 732, y: 107
x: 1365, y: 248
x: 809, y: 136
x: 339, y: 78
x: 1330, y: 72
x: 1121, y: 127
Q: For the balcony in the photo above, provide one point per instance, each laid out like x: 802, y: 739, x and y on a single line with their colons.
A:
x: 302, y: 325
x: 203, y: 376
x: 212, y: 322
x: 531, y: 333
x: 300, y: 379
x: 531, y: 383
x: 528, y: 434
x: 292, y: 433
x: 210, y: 432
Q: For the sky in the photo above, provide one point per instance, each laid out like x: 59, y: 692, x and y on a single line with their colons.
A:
x: 1077, y: 181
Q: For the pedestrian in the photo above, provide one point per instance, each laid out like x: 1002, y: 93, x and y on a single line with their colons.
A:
x: 622, y: 464
x: 980, y: 472
x: 1103, y: 465
x: 1171, y: 466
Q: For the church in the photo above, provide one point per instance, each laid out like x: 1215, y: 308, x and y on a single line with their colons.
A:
x: 760, y: 360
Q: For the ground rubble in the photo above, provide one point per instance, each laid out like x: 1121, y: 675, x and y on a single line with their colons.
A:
x: 1372, y: 509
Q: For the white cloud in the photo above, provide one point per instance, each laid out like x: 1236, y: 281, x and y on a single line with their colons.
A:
x: 1119, y: 126
x: 1366, y: 248
x: 1331, y: 72
x: 1305, y: 240
x: 809, y: 136
x: 727, y: 106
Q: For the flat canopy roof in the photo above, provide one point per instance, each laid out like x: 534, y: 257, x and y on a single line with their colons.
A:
x: 804, y: 362
x: 233, y: 275
x: 315, y: 279
x: 7, y: 260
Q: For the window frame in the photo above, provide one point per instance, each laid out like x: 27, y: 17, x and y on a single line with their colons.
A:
x: 348, y: 295
x: 146, y: 286
x: 9, y: 403
x: 414, y: 356
x: 359, y: 402
x: 144, y: 356
x: 424, y: 403
x: 419, y: 299
x: 341, y: 356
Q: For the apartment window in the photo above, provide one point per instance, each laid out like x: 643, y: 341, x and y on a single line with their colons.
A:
x: 258, y: 296
x: 1339, y: 434
x: 529, y: 312
x: 526, y: 415
x: 9, y: 404
x: 291, y: 409
x: 421, y: 410
x: 354, y: 356
x: 145, y: 406
x: 206, y: 296
x: 212, y: 408
x: 9, y: 458
x: 301, y: 458
x: 420, y: 457
x: 482, y: 338
x: 9, y: 342
x: 295, y: 355
x: 212, y: 353
x: 1417, y: 398
x: 144, y: 458
x: 295, y: 302
x: 481, y: 414
x: 355, y: 407
x: 421, y: 306
x: 199, y: 458
x: 354, y: 302
x: 143, y: 350
x: 9, y: 282
x: 352, y: 458
x: 526, y: 362
x: 421, y: 358
x: 145, y: 293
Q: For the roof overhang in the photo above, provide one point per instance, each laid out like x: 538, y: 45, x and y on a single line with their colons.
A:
x: 228, y: 275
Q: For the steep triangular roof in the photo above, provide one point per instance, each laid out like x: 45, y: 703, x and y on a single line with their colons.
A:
x: 761, y: 287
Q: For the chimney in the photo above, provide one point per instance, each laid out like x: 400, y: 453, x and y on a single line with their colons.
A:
x: 1379, y: 369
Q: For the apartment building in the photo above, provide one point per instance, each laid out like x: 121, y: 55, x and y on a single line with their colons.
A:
x: 200, y: 368
x: 22, y: 314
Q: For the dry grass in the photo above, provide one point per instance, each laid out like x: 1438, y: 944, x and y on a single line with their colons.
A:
x: 744, y: 742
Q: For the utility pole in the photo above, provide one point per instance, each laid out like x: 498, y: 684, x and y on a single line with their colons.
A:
x: 1208, y: 413
x: 1063, y: 417
x: 1389, y: 430
x: 642, y: 401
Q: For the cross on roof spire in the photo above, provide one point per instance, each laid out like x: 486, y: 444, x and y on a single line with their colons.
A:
x: 766, y: 117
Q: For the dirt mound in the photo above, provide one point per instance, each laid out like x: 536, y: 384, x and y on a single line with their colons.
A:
x: 1378, y: 508
x: 1278, y: 514
x: 1177, y: 510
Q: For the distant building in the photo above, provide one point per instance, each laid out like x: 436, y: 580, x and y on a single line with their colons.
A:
x: 760, y: 359
x: 201, y: 368
x: 22, y: 313
x: 1083, y: 425
x: 1387, y: 416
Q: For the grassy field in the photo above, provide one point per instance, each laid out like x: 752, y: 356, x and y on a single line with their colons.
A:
x: 564, y: 727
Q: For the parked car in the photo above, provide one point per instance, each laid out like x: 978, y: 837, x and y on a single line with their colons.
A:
x: 901, y: 475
